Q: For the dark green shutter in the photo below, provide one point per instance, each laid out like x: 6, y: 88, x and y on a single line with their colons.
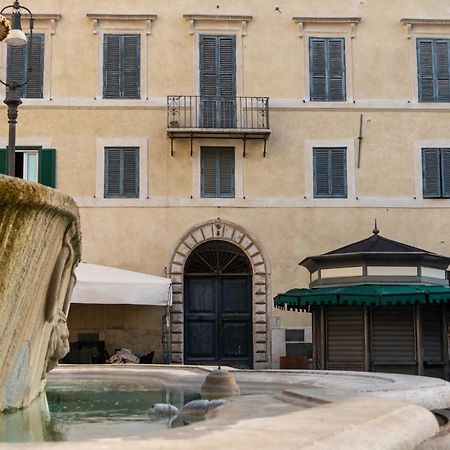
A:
x: 218, y: 81
x: 121, y: 172
x: 330, y: 172
x: 47, y: 167
x: 18, y: 62
x: 321, y: 171
x: 3, y: 161
x: 217, y: 172
x: 336, y: 70
x: 425, y: 70
x: 431, y: 177
x: 338, y: 173
x: 317, y: 69
x: 442, y: 78
x: 327, y: 69
x: 16, y: 65
x: 445, y: 172
x: 131, y: 60
x: 208, y: 172
x: 121, y: 66
x: 226, y: 172
x: 111, y: 66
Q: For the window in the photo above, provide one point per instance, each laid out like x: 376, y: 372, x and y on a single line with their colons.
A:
x: 433, y: 70
x: 121, y: 66
x: 19, y: 61
x: 121, y: 172
x: 436, y: 172
x: 327, y: 69
x: 32, y: 164
x: 330, y: 172
x: 217, y: 172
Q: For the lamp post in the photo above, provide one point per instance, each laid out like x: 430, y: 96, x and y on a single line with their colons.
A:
x: 15, y: 37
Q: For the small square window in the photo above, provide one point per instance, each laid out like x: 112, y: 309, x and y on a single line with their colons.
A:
x: 121, y: 172
x: 330, y: 172
x: 217, y: 172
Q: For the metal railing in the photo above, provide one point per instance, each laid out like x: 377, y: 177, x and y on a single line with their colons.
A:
x: 200, y: 112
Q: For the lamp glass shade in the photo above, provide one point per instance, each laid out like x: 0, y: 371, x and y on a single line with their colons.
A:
x: 16, y: 37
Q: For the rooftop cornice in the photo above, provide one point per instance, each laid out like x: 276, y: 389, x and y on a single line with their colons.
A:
x: 144, y: 17
x: 352, y: 21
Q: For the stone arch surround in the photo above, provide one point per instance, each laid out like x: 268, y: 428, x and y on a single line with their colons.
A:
x: 223, y: 230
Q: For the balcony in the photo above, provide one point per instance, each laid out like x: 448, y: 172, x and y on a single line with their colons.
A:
x: 194, y: 117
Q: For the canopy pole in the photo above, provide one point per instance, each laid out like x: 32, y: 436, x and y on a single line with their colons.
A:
x: 443, y: 310
x: 322, y: 338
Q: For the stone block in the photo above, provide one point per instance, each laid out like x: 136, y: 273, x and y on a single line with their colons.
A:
x: 259, y: 328
x: 260, y: 318
x: 246, y: 242
x: 259, y: 279
x: 176, y: 318
x: 208, y: 231
x: 177, y: 278
x: 177, y: 288
x: 260, y: 299
x: 190, y: 242
x: 260, y: 357
x: 198, y: 236
x: 176, y: 269
x: 260, y: 289
x: 238, y: 236
x: 260, y: 348
x: 260, y: 337
x: 176, y: 348
x: 177, y: 298
x: 257, y: 259
x: 178, y: 259
x: 260, y: 269
x: 183, y: 249
x: 228, y: 232
x: 260, y: 308
x: 177, y: 308
x: 177, y: 358
x: 252, y: 250
x: 177, y: 328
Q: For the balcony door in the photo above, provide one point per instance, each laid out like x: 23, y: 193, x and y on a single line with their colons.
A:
x: 217, y: 81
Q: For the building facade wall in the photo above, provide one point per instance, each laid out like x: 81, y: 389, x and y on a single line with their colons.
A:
x: 274, y: 199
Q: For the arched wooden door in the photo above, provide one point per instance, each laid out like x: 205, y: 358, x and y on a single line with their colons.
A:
x: 218, y: 306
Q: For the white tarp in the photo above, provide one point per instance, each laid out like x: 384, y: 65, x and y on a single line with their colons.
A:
x: 111, y: 286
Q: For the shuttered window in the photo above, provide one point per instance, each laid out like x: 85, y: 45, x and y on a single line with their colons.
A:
x: 121, y: 172
x: 30, y: 159
x: 433, y: 70
x: 218, y: 81
x: 330, y: 172
x: 20, y: 59
x: 217, y: 172
x: 327, y: 69
x: 121, y: 66
x: 436, y: 172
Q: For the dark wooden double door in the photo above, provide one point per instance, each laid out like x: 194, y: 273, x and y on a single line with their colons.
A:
x: 218, y: 320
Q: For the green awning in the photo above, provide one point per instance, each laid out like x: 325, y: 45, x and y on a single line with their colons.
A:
x: 365, y: 294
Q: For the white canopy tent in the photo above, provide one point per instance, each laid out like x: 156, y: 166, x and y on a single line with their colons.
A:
x: 111, y: 286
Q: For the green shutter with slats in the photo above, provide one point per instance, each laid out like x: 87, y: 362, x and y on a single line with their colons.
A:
x: 330, y: 172
x: 121, y: 172
x: 47, y: 167
x: 22, y: 58
x: 121, y: 66
x: 218, y: 81
x: 445, y: 172
x: 3, y: 161
x: 431, y: 176
x: 327, y: 69
x: 217, y: 172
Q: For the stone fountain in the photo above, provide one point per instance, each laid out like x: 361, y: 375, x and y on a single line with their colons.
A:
x: 40, y: 245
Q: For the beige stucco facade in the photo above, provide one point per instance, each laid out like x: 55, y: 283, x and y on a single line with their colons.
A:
x: 274, y: 204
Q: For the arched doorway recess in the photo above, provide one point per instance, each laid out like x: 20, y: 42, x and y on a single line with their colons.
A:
x: 218, y: 306
x: 222, y: 231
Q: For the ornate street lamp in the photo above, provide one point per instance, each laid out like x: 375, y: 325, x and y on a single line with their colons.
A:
x: 14, y: 36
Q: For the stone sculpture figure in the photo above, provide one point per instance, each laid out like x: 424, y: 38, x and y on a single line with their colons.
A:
x: 40, y: 244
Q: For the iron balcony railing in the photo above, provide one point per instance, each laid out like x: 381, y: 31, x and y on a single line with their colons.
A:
x: 200, y: 112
